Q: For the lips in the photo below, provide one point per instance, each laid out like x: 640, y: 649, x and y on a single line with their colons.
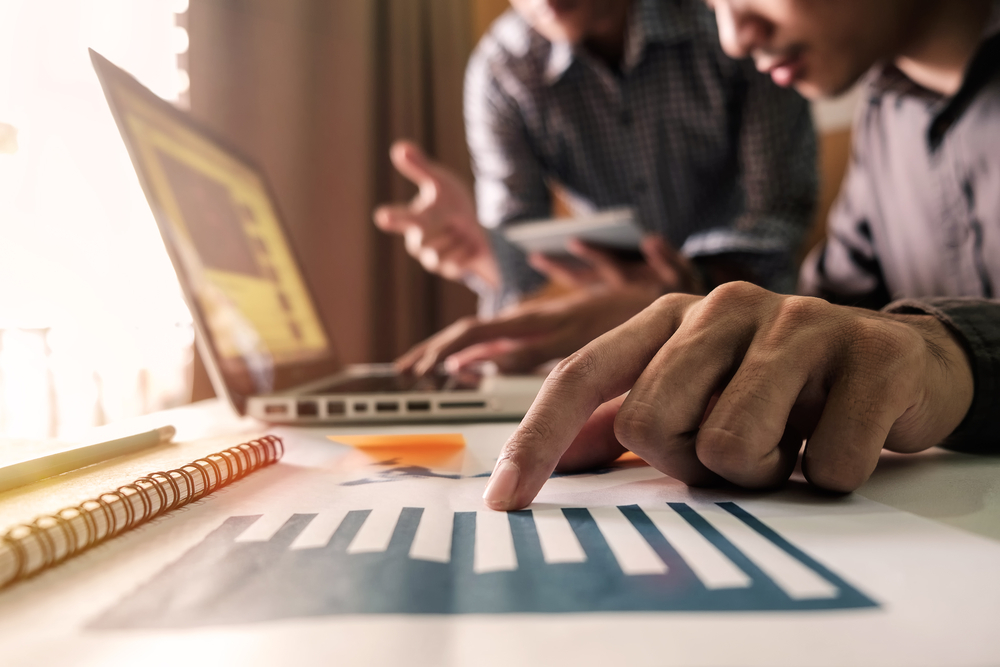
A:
x: 784, y: 70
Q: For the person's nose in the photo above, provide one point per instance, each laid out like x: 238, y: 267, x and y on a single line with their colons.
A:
x: 740, y: 30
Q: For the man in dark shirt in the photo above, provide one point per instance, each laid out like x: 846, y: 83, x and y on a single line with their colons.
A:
x: 728, y: 385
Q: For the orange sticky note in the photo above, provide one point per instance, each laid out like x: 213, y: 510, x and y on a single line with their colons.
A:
x: 402, y: 441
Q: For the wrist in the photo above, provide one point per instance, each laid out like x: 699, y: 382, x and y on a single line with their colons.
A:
x: 949, y: 380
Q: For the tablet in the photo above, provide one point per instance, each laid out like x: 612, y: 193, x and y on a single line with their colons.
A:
x: 611, y: 229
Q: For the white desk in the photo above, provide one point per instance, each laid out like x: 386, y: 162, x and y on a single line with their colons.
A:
x: 917, y: 548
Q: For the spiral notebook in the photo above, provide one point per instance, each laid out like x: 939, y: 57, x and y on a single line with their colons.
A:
x: 50, y: 539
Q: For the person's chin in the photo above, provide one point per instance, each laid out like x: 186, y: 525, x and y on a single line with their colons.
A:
x: 810, y: 90
x: 813, y: 89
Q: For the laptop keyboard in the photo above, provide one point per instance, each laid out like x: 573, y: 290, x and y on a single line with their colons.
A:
x: 401, y: 383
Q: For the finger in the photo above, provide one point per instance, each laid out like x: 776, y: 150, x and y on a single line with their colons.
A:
x: 746, y: 438
x: 429, y: 259
x: 443, y: 244
x: 605, y: 265
x: 673, y: 268
x: 602, y: 370
x: 414, y: 164
x: 476, y: 354
x: 453, y: 270
x: 509, y: 356
x: 661, y: 418
x: 845, y: 446
x: 526, y: 355
x: 438, y: 253
x: 396, y: 218
x: 459, y: 259
x: 444, y: 254
x: 596, y: 445
x: 405, y: 363
x: 559, y: 272
x: 468, y: 332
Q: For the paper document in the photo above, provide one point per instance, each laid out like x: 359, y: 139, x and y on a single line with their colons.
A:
x: 344, y: 554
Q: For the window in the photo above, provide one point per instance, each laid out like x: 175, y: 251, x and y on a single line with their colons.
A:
x: 92, y: 324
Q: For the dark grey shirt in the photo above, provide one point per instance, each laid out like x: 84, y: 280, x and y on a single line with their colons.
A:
x: 918, y: 217
x: 709, y: 152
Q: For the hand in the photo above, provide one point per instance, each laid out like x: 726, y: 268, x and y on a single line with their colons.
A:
x: 727, y: 386
x: 665, y: 270
x: 528, y: 334
x: 439, y: 226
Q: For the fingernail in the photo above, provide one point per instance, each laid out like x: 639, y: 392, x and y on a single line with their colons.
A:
x: 503, y: 483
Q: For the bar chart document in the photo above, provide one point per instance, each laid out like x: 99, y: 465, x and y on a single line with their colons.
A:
x: 381, y: 556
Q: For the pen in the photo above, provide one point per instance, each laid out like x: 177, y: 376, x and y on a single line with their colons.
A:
x: 33, y: 470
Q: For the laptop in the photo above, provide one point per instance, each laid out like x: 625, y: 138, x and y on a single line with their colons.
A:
x: 257, y: 325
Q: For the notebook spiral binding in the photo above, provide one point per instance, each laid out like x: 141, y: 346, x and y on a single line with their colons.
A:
x: 51, y: 539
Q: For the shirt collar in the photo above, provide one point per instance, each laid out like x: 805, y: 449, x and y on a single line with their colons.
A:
x: 649, y: 22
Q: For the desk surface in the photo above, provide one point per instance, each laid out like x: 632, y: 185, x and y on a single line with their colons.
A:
x: 955, y: 489
x: 921, y: 536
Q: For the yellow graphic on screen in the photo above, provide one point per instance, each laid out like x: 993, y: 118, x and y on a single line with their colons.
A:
x: 246, y: 282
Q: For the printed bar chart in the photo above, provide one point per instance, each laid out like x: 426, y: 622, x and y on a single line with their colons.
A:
x: 410, y: 560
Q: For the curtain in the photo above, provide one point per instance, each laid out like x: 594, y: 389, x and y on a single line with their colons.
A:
x: 314, y: 92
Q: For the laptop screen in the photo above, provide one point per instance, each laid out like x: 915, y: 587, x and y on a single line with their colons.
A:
x: 241, y: 278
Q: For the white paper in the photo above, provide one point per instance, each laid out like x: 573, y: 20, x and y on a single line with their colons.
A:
x: 934, y: 589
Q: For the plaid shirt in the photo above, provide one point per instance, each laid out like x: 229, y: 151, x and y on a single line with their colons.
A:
x: 709, y: 152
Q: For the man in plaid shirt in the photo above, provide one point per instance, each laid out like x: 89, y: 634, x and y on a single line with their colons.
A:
x: 615, y: 103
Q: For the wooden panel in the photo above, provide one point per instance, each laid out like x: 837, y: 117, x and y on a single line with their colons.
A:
x: 834, y: 155
x: 484, y: 13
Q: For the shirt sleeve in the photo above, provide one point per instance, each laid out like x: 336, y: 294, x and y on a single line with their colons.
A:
x: 976, y: 323
x: 845, y: 267
x: 510, y: 180
x: 777, y: 158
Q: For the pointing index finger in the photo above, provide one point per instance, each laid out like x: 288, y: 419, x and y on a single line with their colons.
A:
x: 604, y: 369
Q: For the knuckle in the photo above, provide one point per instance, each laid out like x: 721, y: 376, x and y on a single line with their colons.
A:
x: 671, y: 302
x: 793, y: 324
x: 575, y: 370
x: 736, y: 291
x: 637, y: 426
x: 575, y: 379
x: 526, y: 447
x: 734, y: 300
x: 797, y: 312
